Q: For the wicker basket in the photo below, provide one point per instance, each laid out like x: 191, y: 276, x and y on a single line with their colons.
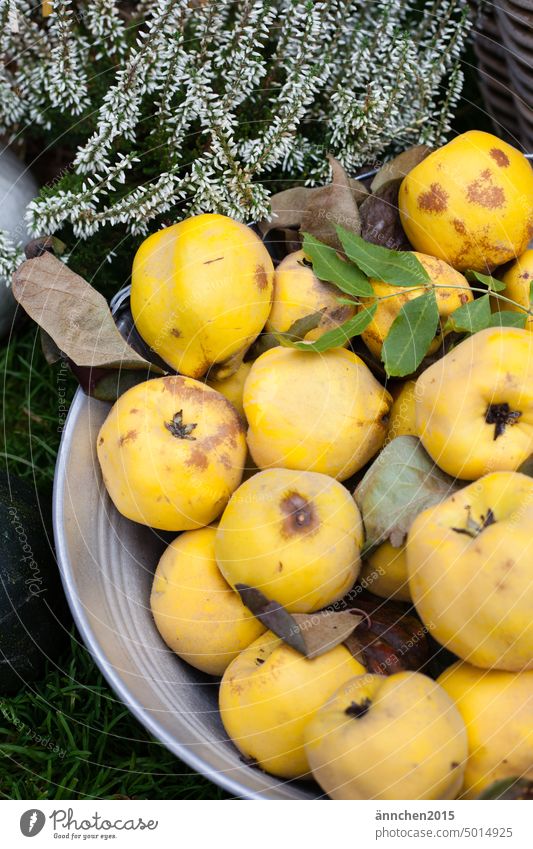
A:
x: 504, y: 48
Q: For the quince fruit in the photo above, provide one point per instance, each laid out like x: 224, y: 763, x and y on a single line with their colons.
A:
x: 171, y: 451
x: 201, y: 293
x: 470, y: 202
x: 469, y: 564
x: 268, y: 695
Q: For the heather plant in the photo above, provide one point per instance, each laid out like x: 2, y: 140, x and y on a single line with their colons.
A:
x: 174, y: 107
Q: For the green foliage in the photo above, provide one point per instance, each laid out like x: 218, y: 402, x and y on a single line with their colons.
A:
x: 327, y: 265
x: 471, y: 317
x: 508, y: 318
x: 492, y: 283
x: 415, y: 327
x: 412, y: 332
x: 399, y: 268
x: 69, y: 737
x: 338, y: 336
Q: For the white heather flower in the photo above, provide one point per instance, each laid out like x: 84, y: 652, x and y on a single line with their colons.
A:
x: 106, y: 27
x: 11, y: 256
x: 66, y: 71
x: 224, y: 92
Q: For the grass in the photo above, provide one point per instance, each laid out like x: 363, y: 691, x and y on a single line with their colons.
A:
x: 68, y: 736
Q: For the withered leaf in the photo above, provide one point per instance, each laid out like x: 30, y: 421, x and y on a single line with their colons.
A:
x: 73, y: 314
x: 391, y: 639
x: 317, y: 210
x: 311, y: 634
x: 400, y: 165
x: 51, y: 352
x: 380, y: 218
x: 286, y: 210
x: 44, y: 244
x: 273, y: 616
x: 359, y: 190
x: 399, y: 484
x: 330, y: 206
x: 326, y: 629
x: 106, y: 384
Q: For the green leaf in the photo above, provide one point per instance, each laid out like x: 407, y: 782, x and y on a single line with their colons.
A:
x: 527, y: 467
x: 297, y: 331
x: 410, y: 336
x: 334, y: 338
x: 399, y: 268
x: 328, y: 265
x: 508, y: 318
x: 509, y: 788
x: 401, y: 483
x: 471, y: 317
x: 487, y: 279
x: 301, y: 327
x: 531, y: 294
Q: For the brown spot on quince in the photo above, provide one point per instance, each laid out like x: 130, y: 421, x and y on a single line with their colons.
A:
x: 300, y: 515
x: 434, y: 200
x: 483, y: 193
x: 130, y: 436
x: 261, y: 277
x: 226, y: 462
x: 459, y: 226
x: 500, y: 157
x: 197, y: 458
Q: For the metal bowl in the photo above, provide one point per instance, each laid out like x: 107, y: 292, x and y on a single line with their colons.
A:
x: 106, y: 565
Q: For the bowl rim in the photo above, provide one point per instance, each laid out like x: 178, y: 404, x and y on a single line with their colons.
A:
x: 113, y: 678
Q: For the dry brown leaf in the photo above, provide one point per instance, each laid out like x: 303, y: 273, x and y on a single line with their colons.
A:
x: 331, y: 206
x: 287, y: 208
x: 318, y: 210
x: 311, y: 634
x: 73, y: 314
x: 400, y: 165
x: 324, y: 630
x: 380, y: 218
x: 359, y: 190
x: 51, y: 352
